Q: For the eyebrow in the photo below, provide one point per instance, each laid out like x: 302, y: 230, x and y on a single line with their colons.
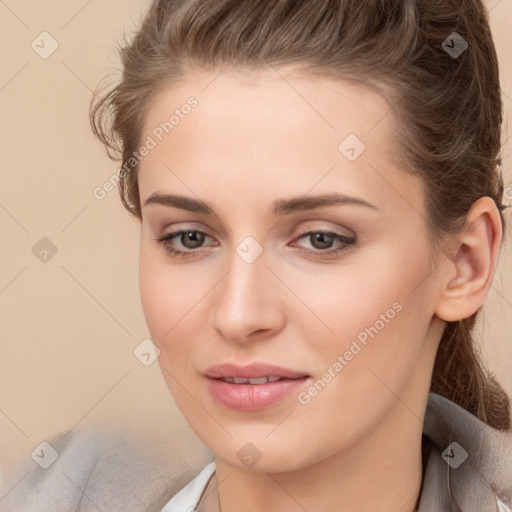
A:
x: 280, y: 207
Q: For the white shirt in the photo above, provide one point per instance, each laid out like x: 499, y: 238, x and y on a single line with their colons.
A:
x: 188, y: 498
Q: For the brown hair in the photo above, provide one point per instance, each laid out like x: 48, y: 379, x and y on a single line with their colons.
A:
x: 450, y: 108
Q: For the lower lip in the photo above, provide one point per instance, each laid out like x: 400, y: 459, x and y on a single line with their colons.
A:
x: 253, y: 397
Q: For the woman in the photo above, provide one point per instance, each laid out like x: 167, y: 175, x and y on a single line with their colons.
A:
x: 320, y: 200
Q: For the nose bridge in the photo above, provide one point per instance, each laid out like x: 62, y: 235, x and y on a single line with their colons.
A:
x: 248, y: 276
x: 245, y: 302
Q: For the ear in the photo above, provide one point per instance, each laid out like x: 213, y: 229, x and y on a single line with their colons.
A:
x: 467, y: 274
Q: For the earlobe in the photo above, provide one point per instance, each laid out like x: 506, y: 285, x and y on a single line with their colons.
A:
x: 467, y: 277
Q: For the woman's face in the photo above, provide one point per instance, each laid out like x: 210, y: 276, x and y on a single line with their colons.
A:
x: 336, y: 298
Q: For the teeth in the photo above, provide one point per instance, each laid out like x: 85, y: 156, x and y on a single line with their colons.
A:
x: 245, y: 380
x: 260, y: 380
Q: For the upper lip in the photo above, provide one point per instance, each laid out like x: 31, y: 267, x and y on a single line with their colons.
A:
x: 254, y: 370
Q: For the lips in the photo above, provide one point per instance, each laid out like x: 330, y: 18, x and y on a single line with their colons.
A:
x: 252, y: 387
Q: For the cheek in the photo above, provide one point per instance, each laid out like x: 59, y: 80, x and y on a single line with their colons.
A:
x: 376, y: 311
x: 163, y: 297
x: 380, y: 321
x: 174, y: 301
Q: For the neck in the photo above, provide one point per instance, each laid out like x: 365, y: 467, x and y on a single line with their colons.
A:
x: 382, y: 473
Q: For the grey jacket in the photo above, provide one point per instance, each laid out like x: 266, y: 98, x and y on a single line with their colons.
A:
x: 469, y: 469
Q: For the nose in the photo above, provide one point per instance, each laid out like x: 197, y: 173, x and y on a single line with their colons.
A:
x: 248, y: 303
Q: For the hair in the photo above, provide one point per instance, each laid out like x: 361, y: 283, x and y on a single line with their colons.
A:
x: 450, y: 109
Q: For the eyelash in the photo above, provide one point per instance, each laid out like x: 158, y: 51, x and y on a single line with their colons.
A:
x: 348, y: 242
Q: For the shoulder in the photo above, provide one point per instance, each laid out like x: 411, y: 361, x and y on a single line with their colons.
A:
x: 96, y: 469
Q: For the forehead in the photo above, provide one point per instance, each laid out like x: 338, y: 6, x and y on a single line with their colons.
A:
x: 272, y: 129
x: 284, y: 95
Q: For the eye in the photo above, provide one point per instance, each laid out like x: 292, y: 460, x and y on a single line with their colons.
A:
x: 190, y: 239
x: 322, y: 241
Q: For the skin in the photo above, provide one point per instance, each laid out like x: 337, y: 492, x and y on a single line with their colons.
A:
x: 252, y: 139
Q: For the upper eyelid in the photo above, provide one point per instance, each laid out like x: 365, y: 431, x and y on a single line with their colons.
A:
x: 303, y: 231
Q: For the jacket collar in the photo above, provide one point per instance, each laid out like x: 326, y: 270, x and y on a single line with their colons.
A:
x: 470, y: 464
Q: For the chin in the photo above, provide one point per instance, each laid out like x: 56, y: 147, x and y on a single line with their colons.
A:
x: 259, y: 455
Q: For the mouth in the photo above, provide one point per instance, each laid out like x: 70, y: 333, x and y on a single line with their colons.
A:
x: 252, y: 387
x: 252, y: 373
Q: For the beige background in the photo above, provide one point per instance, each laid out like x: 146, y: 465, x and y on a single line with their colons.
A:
x: 70, y: 325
